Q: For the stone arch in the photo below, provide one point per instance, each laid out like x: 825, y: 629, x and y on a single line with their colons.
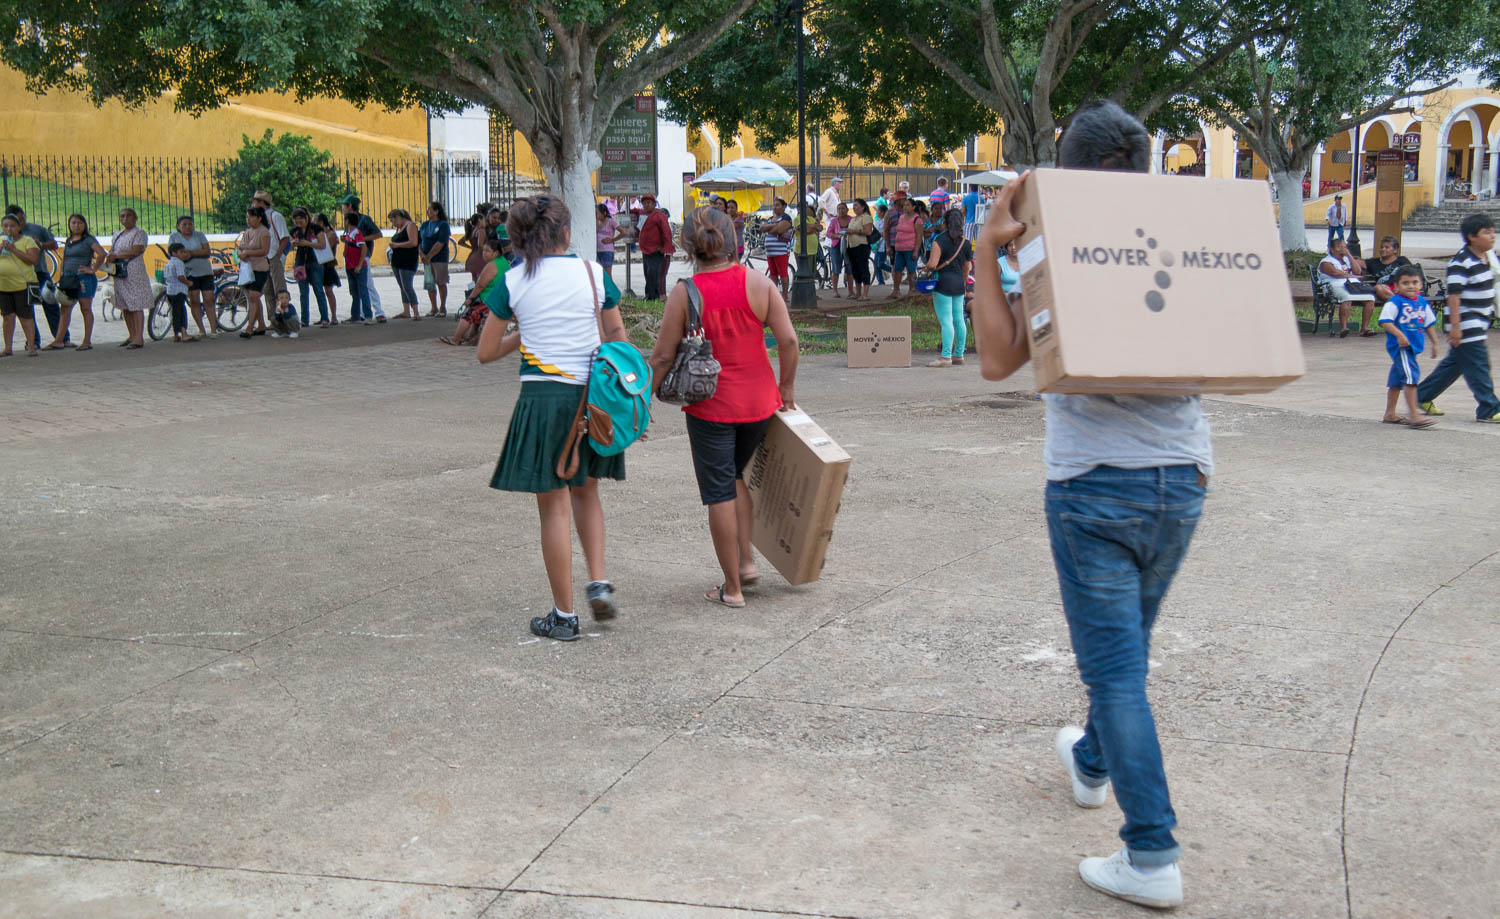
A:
x: 1468, y: 111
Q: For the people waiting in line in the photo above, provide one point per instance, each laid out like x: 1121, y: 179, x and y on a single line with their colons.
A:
x: 330, y: 267
x: 607, y: 233
x: 45, y: 242
x: 254, y: 245
x: 368, y: 234
x: 837, y: 225
x: 132, y: 286
x: 357, y: 268
x: 78, y: 279
x: 435, y: 236
x: 174, y: 279
x: 724, y: 431
x: 563, y: 308
x: 778, y: 245
x: 404, y: 256
x: 200, y: 274
x: 857, y: 238
x: 313, y: 254
x: 18, y: 258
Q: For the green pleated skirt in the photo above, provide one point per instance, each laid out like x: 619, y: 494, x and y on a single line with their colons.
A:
x: 538, y: 426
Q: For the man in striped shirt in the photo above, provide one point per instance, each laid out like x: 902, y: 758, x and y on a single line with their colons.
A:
x: 1471, y: 307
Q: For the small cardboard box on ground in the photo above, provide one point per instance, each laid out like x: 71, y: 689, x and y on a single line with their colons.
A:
x: 1138, y: 283
x: 796, y: 481
x: 879, y: 341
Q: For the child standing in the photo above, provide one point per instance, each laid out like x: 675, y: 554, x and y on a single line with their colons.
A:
x: 1406, y: 317
x: 354, y: 263
x: 284, y: 320
x: 174, y: 276
x: 1471, y: 307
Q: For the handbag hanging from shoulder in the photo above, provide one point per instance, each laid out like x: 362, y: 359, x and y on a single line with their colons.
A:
x: 694, y: 374
x: 247, y: 274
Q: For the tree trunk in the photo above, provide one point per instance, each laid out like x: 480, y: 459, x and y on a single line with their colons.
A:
x: 574, y: 185
x: 1289, y: 197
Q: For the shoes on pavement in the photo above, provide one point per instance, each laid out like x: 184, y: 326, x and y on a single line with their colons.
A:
x: 1085, y: 795
x: 1430, y: 408
x: 291, y: 335
x: 275, y: 334
x: 1493, y: 419
x: 602, y: 600
x: 1160, y: 888
x: 556, y: 625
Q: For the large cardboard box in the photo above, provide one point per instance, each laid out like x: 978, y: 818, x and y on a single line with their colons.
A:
x: 1138, y: 283
x: 796, y: 481
x: 879, y: 341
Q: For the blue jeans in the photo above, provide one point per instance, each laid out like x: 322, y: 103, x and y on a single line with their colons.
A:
x: 1472, y: 362
x: 313, y: 280
x: 880, y: 266
x: 359, y: 294
x: 1118, y: 537
x: 950, y: 315
x: 372, y: 299
x: 1335, y: 231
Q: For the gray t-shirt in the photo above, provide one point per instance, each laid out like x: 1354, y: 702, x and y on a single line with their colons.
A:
x: 1131, y: 432
x: 198, y: 266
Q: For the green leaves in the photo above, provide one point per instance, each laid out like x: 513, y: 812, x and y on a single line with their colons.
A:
x: 289, y: 167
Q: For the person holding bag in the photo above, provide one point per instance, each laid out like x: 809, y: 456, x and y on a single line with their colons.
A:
x: 725, y: 429
x: 951, y: 259
x: 555, y: 300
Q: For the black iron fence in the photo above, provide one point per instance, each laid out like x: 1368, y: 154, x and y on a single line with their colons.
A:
x: 160, y: 189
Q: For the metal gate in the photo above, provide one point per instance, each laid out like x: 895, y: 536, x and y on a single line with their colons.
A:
x: 502, y: 159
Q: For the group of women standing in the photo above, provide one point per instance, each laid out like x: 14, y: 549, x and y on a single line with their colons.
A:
x: 563, y: 308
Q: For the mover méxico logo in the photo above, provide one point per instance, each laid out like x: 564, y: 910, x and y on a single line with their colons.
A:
x: 1137, y: 257
x: 874, y: 340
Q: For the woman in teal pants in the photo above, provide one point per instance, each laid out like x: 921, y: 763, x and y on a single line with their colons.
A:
x: 951, y: 258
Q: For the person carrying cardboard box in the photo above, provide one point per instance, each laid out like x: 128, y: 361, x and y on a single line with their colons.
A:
x: 1126, y: 478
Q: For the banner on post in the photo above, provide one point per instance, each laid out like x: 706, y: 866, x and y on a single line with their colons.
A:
x: 628, y: 150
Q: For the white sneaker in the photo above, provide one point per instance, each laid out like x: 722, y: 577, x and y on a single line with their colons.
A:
x: 291, y: 335
x: 1157, y: 887
x: 275, y: 334
x: 1085, y: 795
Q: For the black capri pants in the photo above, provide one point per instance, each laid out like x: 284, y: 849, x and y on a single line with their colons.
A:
x: 859, y: 263
x: 721, y: 451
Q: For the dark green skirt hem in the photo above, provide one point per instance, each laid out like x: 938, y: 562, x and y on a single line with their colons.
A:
x: 538, y: 426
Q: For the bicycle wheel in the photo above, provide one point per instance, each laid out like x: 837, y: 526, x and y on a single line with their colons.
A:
x: 231, y: 306
x: 159, y: 322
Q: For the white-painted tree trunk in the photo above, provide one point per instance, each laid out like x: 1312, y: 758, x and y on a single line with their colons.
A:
x: 1289, y: 196
x: 574, y: 185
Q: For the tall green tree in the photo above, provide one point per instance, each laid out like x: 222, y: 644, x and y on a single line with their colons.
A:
x: 1339, y: 64
x: 558, y: 68
x: 289, y: 167
x: 889, y: 75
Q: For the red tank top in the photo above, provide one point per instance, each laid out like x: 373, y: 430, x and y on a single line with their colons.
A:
x: 747, y: 386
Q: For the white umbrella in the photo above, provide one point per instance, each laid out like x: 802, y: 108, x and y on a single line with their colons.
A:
x: 995, y: 177
x: 749, y: 172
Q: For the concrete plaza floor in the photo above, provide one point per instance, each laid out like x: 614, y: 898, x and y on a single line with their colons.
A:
x: 263, y: 653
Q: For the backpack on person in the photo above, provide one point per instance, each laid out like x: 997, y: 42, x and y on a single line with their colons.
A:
x: 616, y: 407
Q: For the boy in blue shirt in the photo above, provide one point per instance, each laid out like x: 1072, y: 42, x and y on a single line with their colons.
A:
x: 1406, y: 317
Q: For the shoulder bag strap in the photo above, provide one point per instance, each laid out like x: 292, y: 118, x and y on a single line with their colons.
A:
x: 694, y: 318
x: 946, y: 262
x: 568, y: 458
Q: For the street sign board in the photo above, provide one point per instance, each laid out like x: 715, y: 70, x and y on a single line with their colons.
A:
x: 628, y: 150
x: 1412, y: 141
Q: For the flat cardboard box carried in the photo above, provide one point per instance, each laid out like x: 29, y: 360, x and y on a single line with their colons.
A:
x: 879, y: 341
x: 1136, y: 283
x: 796, y: 481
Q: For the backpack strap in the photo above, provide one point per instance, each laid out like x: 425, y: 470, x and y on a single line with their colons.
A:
x: 568, y: 457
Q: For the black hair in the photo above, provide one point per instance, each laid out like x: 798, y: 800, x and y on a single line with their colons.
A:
x: 882, y: 209
x: 352, y: 202
x: 180, y: 219
x: 1407, y: 271
x: 776, y: 201
x: 863, y: 205
x: 603, y: 210
x: 1101, y: 135
x: 491, y: 242
x: 538, y: 226
x: 259, y: 212
x: 125, y: 210
x: 175, y: 248
x: 1473, y: 224
x: 441, y: 213
x: 398, y: 212
x: 323, y: 221
x: 504, y: 215
x: 708, y: 234
x: 85, y: 225
x: 1395, y: 243
x: 9, y: 216
x: 301, y: 212
x: 14, y: 210
x: 953, y: 222
x: 351, y: 219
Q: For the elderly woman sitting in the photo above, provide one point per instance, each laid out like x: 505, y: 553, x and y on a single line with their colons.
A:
x: 1340, y: 275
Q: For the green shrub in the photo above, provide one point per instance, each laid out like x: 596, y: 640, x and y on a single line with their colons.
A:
x: 289, y: 167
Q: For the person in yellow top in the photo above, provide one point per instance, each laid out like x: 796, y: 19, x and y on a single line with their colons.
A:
x: 18, y: 257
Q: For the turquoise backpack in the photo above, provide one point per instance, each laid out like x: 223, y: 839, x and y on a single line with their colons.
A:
x: 616, y: 409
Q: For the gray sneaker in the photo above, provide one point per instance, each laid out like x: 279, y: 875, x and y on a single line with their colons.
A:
x: 1159, y: 888
x: 556, y: 626
x: 602, y: 600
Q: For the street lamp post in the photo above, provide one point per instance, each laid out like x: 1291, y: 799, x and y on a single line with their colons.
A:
x: 1356, y: 172
x: 804, y: 288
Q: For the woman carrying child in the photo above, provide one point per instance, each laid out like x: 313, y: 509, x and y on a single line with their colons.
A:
x: 563, y: 307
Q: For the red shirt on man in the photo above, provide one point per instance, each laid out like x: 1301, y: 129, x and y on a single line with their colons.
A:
x: 656, y: 235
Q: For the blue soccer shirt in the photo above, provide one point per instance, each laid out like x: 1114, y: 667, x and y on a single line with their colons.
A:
x: 1412, y: 317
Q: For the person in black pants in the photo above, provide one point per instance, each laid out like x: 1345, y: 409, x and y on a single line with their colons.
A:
x: 45, y: 242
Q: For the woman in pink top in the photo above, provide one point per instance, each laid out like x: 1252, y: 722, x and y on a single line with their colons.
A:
x: 837, y: 263
x: 724, y: 430
x: 903, y: 245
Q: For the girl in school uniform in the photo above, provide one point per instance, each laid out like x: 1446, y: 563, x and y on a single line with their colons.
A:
x: 563, y: 307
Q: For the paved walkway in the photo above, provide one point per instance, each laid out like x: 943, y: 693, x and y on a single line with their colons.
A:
x: 263, y: 653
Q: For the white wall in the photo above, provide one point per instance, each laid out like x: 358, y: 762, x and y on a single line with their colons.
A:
x: 673, y: 159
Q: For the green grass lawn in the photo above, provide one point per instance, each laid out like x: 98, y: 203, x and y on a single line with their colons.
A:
x: 817, y: 333
x: 52, y: 203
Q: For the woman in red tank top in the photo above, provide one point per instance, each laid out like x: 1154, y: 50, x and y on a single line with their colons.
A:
x: 738, y: 306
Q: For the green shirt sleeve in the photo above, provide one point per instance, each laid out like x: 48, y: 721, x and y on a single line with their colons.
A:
x: 611, y: 293
x: 497, y: 298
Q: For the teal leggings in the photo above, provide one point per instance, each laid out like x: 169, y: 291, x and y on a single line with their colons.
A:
x: 950, y: 314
